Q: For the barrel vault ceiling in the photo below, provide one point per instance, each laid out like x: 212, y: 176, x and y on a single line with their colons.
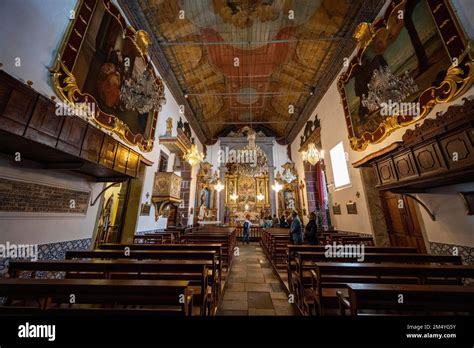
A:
x: 263, y: 63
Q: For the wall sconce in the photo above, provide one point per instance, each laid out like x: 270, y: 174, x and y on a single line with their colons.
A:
x: 234, y: 196
x: 277, y: 187
x: 218, y: 187
x: 260, y: 197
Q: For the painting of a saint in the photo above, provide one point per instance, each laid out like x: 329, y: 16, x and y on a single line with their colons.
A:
x: 203, y: 203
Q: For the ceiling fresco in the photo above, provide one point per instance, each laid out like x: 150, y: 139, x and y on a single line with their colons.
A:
x: 249, y: 62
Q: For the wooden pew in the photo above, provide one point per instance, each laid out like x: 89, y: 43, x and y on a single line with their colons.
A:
x: 215, y: 279
x: 158, y: 237
x: 306, y: 261
x: 56, y: 292
x: 330, y: 277
x: 292, y: 250
x: 225, y: 237
x: 416, y: 298
x: 195, y: 271
x: 175, y: 254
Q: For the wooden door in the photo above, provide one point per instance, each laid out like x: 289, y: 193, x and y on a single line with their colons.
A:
x: 402, y: 221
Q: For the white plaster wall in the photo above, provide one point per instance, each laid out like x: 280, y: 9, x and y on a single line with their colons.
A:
x: 452, y: 225
x: 170, y: 109
x: 333, y: 130
x: 32, y: 30
x: 41, y: 228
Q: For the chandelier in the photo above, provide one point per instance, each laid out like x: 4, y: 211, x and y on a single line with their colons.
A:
x: 385, y: 87
x: 312, y: 154
x: 256, y: 163
x: 193, y: 156
x: 142, y: 94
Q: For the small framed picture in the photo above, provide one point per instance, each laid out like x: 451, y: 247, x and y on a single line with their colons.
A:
x: 145, y: 209
x: 468, y: 200
x: 336, y: 209
x: 351, y: 208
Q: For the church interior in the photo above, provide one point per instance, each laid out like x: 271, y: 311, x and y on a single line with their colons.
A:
x: 209, y: 158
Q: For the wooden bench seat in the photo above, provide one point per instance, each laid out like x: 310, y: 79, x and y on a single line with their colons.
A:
x: 175, y: 254
x: 204, y: 246
x: 428, y: 299
x: 335, y: 276
x: 171, y: 296
x: 293, y: 249
x: 306, y: 261
x: 195, y: 271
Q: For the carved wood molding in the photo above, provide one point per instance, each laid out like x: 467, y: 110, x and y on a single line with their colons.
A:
x: 311, y: 134
x: 443, y: 121
x: 438, y: 152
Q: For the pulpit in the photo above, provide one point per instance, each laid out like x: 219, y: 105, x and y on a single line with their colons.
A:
x: 166, y: 191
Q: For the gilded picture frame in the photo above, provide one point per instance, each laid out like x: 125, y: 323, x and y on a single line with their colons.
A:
x: 88, y: 17
x: 456, y: 81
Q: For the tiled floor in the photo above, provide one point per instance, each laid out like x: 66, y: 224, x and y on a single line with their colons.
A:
x: 252, y: 286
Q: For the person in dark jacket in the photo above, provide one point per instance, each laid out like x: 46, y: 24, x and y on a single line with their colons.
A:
x: 311, y: 230
x: 246, y: 229
x: 296, y: 229
x: 283, y: 223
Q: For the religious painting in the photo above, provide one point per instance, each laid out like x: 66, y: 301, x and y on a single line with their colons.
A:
x: 104, y: 65
x: 145, y: 209
x: 336, y: 209
x: 289, y: 199
x: 404, y: 66
x: 351, y: 207
x: 246, y: 189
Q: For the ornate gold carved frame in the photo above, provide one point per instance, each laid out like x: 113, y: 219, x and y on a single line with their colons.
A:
x: 457, y: 81
x: 64, y: 82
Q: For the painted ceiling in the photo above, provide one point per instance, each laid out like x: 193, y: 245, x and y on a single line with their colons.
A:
x: 250, y: 62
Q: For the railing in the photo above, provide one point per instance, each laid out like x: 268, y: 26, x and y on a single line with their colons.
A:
x: 255, y: 233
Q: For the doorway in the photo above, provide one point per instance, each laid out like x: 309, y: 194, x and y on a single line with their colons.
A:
x: 111, y: 213
x: 402, y: 221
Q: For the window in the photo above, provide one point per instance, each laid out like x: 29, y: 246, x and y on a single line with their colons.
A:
x: 339, y: 166
x: 163, y: 165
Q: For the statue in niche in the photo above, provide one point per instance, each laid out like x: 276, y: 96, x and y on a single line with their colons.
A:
x: 169, y: 126
x: 203, y: 203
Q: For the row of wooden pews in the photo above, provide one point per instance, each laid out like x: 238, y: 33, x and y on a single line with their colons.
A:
x: 275, y: 243
x: 387, y: 280
x: 162, y: 236
x: 226, y: 236
x: 148, y: 278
